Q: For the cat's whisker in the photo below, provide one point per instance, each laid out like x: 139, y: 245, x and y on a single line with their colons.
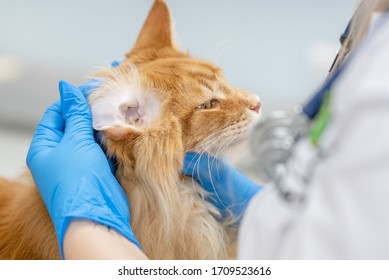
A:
x: 214, y: 138
x: 222, y: 138
x: 224, y: 145
x: 210, y: 163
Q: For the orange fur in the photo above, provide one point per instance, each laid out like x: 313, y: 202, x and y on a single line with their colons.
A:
x: 26, y: 231
x: 169, y: 214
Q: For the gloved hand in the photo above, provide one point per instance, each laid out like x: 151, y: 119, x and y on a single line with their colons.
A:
x: 72, y: 172
x: 229, y: 189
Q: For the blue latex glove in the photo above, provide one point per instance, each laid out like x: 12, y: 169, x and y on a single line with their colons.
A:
x: 229, y: 189
x: 72, y: 172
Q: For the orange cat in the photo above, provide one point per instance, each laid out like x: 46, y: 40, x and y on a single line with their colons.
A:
x: 152, y: 109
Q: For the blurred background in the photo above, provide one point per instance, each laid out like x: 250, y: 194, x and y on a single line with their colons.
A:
x: 279, y: 50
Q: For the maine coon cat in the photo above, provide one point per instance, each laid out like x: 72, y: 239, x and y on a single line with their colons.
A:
x: 154, y: 107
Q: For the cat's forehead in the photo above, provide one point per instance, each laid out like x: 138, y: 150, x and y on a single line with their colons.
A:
x: 183, y: 74
x: 182, y: 68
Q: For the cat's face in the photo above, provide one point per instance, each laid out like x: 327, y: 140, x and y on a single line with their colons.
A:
x: 212, y: 113
x: 161, y: 82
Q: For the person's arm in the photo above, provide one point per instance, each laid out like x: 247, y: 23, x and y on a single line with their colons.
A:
x: 85, y: 239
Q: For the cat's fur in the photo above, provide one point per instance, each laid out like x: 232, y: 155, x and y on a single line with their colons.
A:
x: 167, y: 103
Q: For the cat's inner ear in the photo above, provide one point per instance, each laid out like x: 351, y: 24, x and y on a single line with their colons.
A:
x: 124, y: 109
x: 156, y: 32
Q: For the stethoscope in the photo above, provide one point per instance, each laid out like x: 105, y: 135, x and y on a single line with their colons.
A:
x: 273, y: 139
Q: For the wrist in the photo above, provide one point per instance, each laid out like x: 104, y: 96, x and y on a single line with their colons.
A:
x: 85, y: 239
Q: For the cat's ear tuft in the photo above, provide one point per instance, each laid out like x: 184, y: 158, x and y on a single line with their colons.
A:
x: 156, y: 32
x: 120, y: 110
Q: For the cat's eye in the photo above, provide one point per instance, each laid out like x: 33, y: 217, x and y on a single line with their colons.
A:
x: 209, y: 104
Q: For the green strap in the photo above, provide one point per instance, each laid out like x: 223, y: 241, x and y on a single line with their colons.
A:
x: 321, y: 121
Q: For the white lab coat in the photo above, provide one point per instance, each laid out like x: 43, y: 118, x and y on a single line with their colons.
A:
x: 345, y: 180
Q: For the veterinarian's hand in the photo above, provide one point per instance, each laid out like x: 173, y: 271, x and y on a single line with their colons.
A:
x: 72, y: 172
x: 229, y: 189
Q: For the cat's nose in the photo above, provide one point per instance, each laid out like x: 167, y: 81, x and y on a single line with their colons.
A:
x: 256, y: 107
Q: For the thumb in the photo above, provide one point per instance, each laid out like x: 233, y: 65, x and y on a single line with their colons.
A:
x: 75, y: 109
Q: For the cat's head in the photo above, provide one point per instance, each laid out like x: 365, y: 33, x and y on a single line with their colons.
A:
x: 157, y: 82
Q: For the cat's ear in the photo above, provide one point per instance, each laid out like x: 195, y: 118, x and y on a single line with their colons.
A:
x: 156, y: 32
x: 121, y: 112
